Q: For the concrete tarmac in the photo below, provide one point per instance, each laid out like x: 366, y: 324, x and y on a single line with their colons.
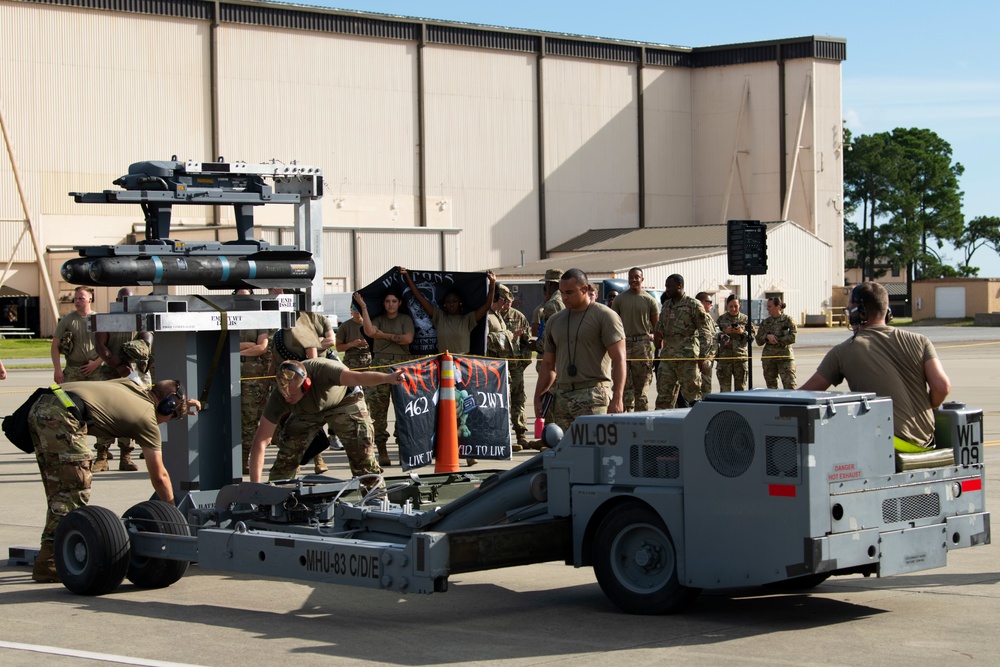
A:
x: 539, y: 614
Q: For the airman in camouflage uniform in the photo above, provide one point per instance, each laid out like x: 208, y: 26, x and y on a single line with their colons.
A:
x: 683, y: 332
x: 311, y: 337
x: 295, y: 413
x: 553, y: 304
x: 732, y: 356
x: 639, y: 312
x: 59, y: 432
x: 392, y: 332
x: 777, y: 335
x: 584, y: 360
x: 255, y: 384
x: 124, y: 353
x: 706, y: 375
x: 73, y: 339
x: 520, y: 358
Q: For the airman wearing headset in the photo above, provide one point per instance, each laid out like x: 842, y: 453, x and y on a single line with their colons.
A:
x: 307, y: 395
x: 889, y: 362
x: 59, y: 424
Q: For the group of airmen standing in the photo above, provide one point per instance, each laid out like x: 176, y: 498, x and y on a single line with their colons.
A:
x: 676, y: 341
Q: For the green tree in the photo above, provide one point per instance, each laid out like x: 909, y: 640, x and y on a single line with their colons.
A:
x: 981, y: 231
x: 906, y: 185
x: 926, y: 202
x: 870, y: 165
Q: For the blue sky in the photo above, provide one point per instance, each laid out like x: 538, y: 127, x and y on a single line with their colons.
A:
x: 909, y: 64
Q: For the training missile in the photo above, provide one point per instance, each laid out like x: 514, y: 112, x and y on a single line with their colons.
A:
x: 285, y: 269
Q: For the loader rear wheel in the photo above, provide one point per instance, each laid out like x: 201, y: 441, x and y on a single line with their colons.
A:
x: 91, y: 551
x: 636, y: 563
x: 154, y: 516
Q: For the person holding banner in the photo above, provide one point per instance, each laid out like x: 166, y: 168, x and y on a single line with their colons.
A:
x: 307, y: 395
x: 452, y: 325
x: 584, y: 360
x: 392, y: 332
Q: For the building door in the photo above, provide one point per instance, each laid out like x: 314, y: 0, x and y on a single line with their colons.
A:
x: 949, y: 302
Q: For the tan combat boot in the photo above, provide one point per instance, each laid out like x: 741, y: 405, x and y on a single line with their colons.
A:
x: 383, y: 455
x: 125, y: 462
x: 100, y: 464
x: 319, y: 466
x: 44, y: 571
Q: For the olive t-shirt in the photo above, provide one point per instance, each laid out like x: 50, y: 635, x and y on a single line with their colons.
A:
x: 309, y: 329
x: 582, y: 339
x: 119, y: 409
x: 637, y: 311
x: 889, y: 362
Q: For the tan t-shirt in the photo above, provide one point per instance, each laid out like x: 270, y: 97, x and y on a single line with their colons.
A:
x: 582, y: 340
x: 325, y: 391
x: 83, y: 341
x: 401, y: 324
x: 889, y: 362
x: 637, y: 312
x: 119, y: 409
x: 309, y: 329
x: 453, y: 331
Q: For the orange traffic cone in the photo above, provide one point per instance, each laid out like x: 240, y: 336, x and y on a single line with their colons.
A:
x: 446, y: 455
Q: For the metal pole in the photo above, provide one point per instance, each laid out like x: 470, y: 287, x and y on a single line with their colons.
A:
x: 39, y: 255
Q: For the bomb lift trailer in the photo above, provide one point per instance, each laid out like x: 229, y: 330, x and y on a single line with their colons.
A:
x: 743, y: 489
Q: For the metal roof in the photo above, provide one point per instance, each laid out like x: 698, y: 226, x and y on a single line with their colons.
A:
x: 605, y: 264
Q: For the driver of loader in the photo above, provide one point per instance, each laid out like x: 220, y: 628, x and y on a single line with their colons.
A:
x: 890, y: 362
x: 307, y: 395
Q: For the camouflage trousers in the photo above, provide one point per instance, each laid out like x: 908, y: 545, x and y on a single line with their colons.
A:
x: 732, y: 374
x: 706, y: 379
x: 379, y: 398
x: 75, y: 374
x: 775, y: 368
x: 674, y: 376
x: 253, y: 396
x: 517, y: 397
x: 255, y: 386
x: 568, y: 404
x: 639, y: 373
x: 63, y: 460
x: 349, y: 421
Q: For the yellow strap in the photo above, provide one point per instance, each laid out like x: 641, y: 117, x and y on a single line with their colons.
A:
x: 63, y: 397
x: 907, y: 447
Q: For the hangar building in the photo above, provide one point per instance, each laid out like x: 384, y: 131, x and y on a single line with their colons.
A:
x: 443, y: 145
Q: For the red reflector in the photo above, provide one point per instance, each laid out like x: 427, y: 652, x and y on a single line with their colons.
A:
x: 972, y: 485
x: 783, y: 490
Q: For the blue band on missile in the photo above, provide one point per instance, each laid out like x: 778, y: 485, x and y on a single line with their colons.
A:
x: 225, y: 267
x: 253, y: 268
x: 158, y: 274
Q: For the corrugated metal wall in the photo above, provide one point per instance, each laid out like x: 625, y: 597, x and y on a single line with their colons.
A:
x: 345, y: 95
x: 591, y: 147
x: 346, y: 104
x: 668, y: 155
x: 482, y: 134
x: 87, y: 93
x: 718, y: 93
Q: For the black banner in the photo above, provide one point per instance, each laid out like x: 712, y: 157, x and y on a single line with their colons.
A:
x: 415, y: 403
x: 482, y: 402
x: 434, y: 285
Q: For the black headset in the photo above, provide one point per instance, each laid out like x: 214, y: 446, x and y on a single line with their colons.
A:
x: 168, y: 405
x: 858, y: 315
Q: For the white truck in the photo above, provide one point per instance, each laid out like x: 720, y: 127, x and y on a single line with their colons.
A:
x: 744, y: 488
